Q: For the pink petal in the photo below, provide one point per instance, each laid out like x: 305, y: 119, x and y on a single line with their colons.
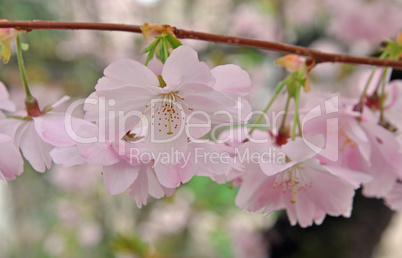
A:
x: 305, y: 209
x: 251, y: 182
x: 184, y: 67
x: 119, y: 177
x: 353, y: 177
x: 139, y: 189
x: 156, y: 190
x: 298, y: 150
x: 330, y: 193
x: 11, y: 163
x: 98, y: 152
x: 34, y: 149
x: 126, y: 72
x: 67, y: 157
x: 231, y: 80
x: 10, y: 127
x: 53, y: 128
x: 169, y: 175
x: 270, y: 157
x: 219, y: 107
x: 381, y: 184
x: 128, y: 98
x: 354, y: 131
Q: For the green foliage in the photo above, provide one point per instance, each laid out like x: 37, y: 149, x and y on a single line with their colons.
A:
x: 160, y: 46
x: 129, y: 245
x: 394, y: 50
x: 212, y: 196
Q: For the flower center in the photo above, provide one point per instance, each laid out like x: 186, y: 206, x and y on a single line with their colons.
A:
x: 167, y: 113
x: 346, y: 142
x: 292, y: 180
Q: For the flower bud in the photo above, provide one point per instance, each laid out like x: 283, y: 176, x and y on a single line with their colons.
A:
x: 292, y: 63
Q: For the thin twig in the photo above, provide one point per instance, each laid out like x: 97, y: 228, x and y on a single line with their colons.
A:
x: 319, y: 56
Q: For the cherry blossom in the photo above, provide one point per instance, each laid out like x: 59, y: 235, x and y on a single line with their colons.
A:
x: 189, y: 88
x: 36, y: 135
x: 361, y: 144
x: 187, y: 91
x: 306, y: 189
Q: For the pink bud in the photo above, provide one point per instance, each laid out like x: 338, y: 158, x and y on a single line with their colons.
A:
x: 151, y: 30
x: 292, y: 63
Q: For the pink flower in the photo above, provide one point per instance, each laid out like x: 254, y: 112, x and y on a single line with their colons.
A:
x: 362, y: 146
x: 121, y: 171
x: 11, y: 163
x: 187, y: 92
x: 292, y: 63
x: 36, y: 136
x: 140, y: 180
x: 34, y: 149
x: 307, y: 189
x: 185, y: 87
x: 393, y: 104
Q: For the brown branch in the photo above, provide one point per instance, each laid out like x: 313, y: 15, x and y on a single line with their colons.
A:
x: 319, y: 56
x: 50, y: 25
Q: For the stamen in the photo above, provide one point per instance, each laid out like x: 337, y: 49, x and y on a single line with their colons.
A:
x: 293, y: 180
x: 292, y: 185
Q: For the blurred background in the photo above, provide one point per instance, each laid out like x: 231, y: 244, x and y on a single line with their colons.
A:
x: 68, y: 213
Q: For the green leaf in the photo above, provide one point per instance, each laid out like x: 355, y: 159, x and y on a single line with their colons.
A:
x: 150, y: 55
x: 24, y: 46
x: 151, y: 49
x: 394, y: 49
x: 129, y: 244
x: 153, y: 45
x: 163, y: 51
x: 173, y: 41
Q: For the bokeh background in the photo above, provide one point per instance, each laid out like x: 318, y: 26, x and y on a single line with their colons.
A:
x: 68, y: 213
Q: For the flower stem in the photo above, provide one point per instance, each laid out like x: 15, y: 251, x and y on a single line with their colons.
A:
x: 278, y: 89
x: 363, y: 96
x: 383, y: 55
x: 296, y: 115
x: 286, y: 112
x: 22, y: 69
x: 31, y: 104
